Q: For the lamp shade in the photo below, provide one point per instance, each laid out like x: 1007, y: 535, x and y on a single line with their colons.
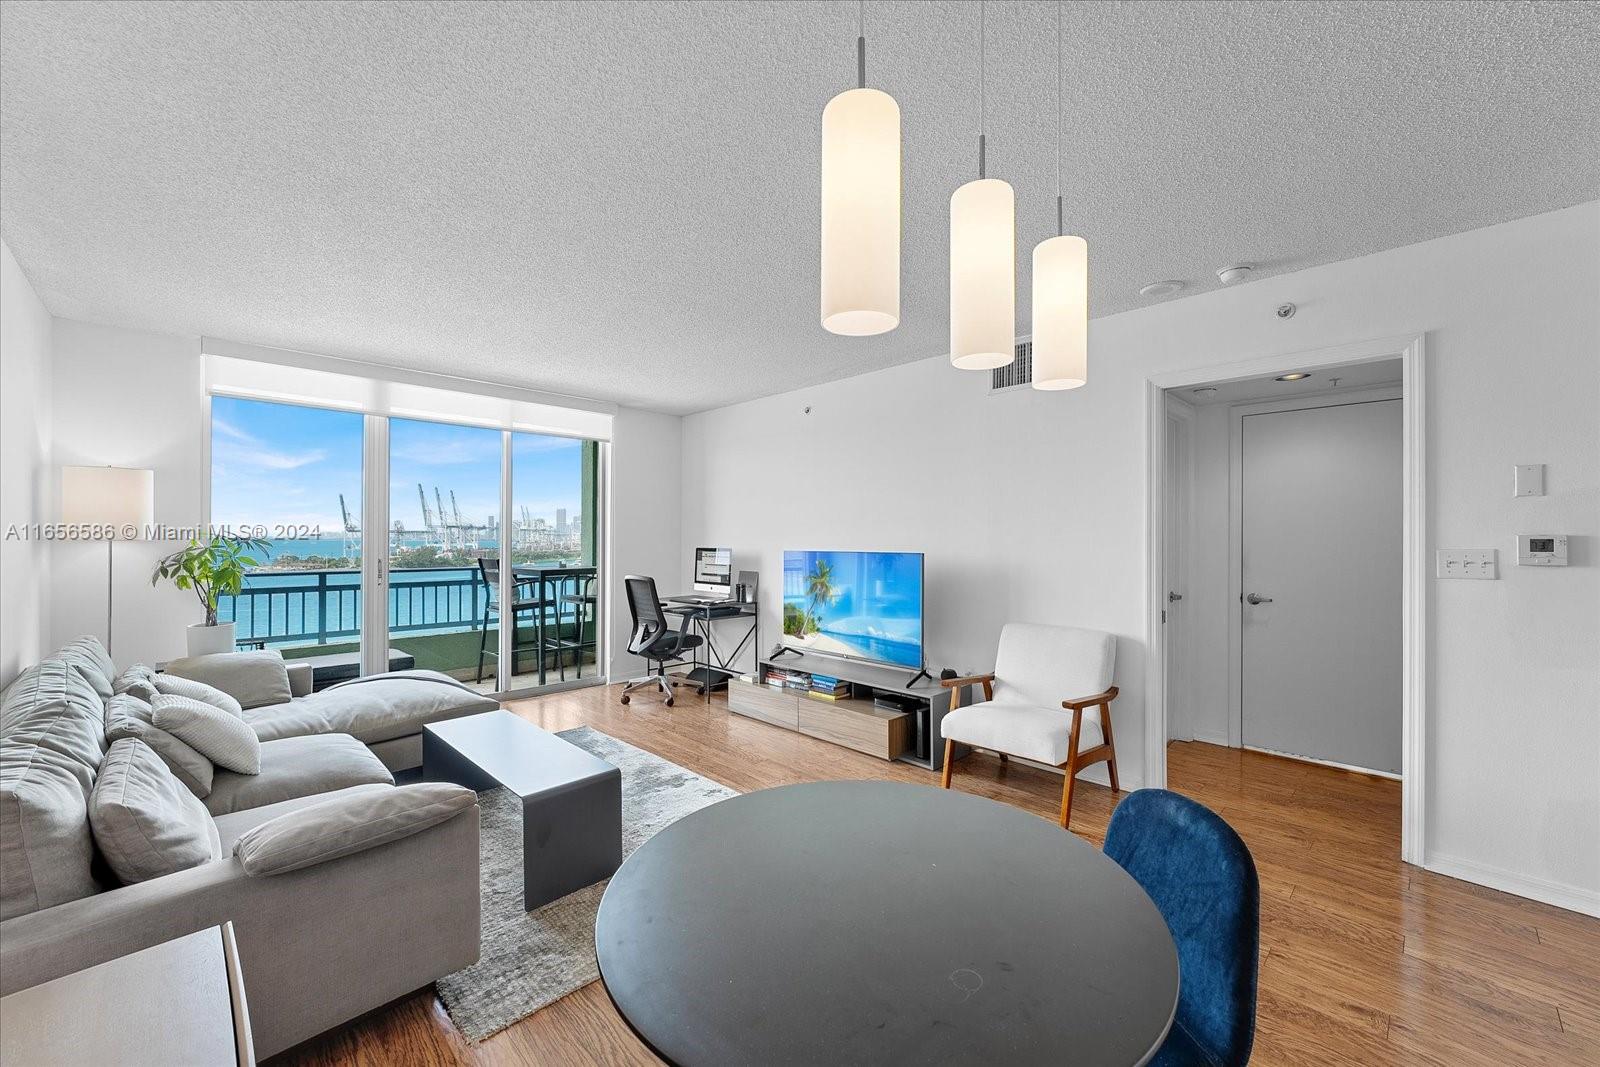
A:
x: 861, y: 213
x: 1060, y: 313
x: 983, y: 275
x: 118, y: 498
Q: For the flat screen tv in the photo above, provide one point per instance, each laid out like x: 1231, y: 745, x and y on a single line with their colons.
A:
x: 859, y: 605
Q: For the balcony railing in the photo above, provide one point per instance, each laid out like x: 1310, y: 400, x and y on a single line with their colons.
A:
x: 324, y: 606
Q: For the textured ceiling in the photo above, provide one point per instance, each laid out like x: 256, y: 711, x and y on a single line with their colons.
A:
x: 620, y: 200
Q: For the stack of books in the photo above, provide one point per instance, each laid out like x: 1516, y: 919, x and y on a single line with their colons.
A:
x: 826, y: 687
x: 779, y: 678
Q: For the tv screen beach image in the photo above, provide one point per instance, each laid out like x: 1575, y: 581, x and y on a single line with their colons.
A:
x: 864, y: 605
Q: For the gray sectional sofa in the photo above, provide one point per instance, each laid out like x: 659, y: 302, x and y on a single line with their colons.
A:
x: 321, y: 940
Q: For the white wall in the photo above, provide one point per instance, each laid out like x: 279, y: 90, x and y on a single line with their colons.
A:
x: 1032, y: 506
x: 131, y: 398
x: 26, y: 494
x: 137, y: 398
x: 646, y: 508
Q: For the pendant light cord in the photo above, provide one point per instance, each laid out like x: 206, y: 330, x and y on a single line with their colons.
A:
x: 982, y: 68
x: 1060, y: 227
x: 861, y: 45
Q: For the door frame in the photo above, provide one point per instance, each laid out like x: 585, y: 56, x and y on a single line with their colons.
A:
x: 1236, y: 416
x: 1179, y: 484
x: 1412, y: 353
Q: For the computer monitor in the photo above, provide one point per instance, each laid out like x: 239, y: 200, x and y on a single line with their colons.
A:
x: 713, y: 570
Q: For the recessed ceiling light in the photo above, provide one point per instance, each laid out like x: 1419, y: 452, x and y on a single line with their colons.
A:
x: 1229, y: 275
x: 1294, y: 376
x: 1206, y: 390
x: 1166, y: 288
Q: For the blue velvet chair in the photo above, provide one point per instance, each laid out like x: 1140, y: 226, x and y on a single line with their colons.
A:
x: 1203, y: 881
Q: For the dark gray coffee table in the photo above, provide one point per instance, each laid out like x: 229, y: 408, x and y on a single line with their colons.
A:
x: 571, y: 800
x: 875, y: 922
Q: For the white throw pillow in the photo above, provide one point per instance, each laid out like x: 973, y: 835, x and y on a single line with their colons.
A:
x: 173, y: 685
x: 224, y: 739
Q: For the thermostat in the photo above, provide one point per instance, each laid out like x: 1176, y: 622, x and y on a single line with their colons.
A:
x: 1541, y: 550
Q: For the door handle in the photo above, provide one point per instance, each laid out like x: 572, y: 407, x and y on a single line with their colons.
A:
x: 1173, y: 598
x: 1257, y: 598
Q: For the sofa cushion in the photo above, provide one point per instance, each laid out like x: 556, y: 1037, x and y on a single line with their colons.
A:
x: 296, y: 767
x: 145, y: 821
x: 347, y: 824
x: 176, y: 685
x: 233, y: 826
x: 138, y: 680
x: 1029, y: 731
x: 211, y: 731
x: 52, y: 739
x: 254, y: 679
x: 90, y: 657
x: 128, y: 716
x: 373, y: 709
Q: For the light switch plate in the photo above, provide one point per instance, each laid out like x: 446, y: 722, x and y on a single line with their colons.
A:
x: 1475, y: 563
x: 1527, y: 479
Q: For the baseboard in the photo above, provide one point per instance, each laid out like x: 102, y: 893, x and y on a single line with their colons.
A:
x: 1556, y: 894
x: 1391, y: 775
x: 1221, y: 741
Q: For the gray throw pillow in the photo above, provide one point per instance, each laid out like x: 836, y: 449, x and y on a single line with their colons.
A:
x: 174, y: 685
x: 347, y: 823
x: 254, y: 679
x: 128, y: 716
x: 220, y: 737
x: 145, y: 822
x: 137, y: 680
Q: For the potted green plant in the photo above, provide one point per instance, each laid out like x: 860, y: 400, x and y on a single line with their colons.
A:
x: 213, y: 568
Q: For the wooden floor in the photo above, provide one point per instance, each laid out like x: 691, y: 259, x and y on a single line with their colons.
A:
x: 1365, y: 960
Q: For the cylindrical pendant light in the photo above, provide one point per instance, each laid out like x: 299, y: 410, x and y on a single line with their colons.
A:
x: 983, y: 261
x: 861, y: 208
x: 1060, y: 289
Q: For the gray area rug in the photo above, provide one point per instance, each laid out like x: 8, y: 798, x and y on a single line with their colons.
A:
x: 530, y: 959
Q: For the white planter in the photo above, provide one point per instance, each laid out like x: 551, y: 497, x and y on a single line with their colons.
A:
x: 205, y: 640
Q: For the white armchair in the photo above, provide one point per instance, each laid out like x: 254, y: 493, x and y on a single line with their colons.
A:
x: 1048, y: 700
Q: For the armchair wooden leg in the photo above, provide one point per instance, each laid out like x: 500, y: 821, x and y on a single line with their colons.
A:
x: 1071, y: 768
x: 1066, y: 796
x: 1105, y: 728
x: 949, y: 763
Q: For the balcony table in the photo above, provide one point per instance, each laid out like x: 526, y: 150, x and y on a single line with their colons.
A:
x: 543, y: 577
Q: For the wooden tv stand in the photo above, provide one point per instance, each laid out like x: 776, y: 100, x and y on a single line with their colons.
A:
x: 855, y: 722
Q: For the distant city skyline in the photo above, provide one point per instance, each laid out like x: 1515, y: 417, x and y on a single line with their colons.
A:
x: 286, y: 465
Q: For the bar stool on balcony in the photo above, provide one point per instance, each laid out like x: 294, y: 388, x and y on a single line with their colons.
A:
x: 587, y: 608
x: 524, y: 599
x: 578, y: 608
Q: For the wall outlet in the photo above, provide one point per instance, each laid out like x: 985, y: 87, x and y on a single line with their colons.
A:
x: 1478, y: 563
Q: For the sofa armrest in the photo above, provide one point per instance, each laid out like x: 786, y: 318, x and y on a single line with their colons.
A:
x: 346, y: 824
x: 300, y: 679
x: 317, y: 946
x: 254, y: 679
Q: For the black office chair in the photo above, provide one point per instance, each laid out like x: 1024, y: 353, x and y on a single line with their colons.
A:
x: 652, y: 638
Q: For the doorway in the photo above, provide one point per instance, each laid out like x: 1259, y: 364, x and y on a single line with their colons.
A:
x: 1288, y: 453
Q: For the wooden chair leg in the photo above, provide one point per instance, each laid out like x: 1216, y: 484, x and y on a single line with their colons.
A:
x: 1003, y: 757
x: 949, y: 763
x: 1071, y: 768
x: 1066, y: 796
x: 1105, y: 728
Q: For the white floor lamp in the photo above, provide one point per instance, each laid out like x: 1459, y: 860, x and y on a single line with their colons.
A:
x: 110, y: 504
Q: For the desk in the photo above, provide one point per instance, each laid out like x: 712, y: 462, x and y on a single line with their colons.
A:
x: 542, y: 578
x: 934, y: 928
x: 714, y: 672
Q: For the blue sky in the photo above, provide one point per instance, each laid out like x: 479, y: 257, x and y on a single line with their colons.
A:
x: 283, y: 464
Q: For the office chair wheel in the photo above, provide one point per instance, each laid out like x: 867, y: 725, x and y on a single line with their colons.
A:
x: 669, y: 702
x: 625, y: 698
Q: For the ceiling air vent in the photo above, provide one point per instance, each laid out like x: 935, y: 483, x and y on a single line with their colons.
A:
x: 1017, y: 373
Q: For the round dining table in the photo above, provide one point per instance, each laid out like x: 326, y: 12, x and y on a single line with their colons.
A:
x: 881, y: 922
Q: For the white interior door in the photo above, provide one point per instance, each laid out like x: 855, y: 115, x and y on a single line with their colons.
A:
x: 1321, y: 597
x: 1175, y: 530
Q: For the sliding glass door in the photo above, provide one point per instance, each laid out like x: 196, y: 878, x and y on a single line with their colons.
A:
x: 291, y: 476
x: 482, y: 545
x: 555, y: 560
